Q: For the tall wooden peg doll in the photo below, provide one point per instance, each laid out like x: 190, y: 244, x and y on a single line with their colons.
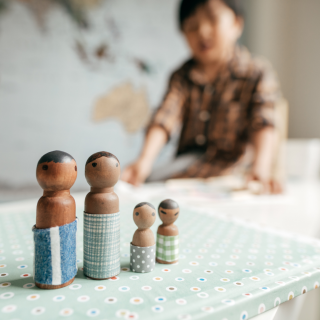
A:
x: 55, y: 263
x: 168, y: 233
x: 101, y: 241
x: 143, y: 248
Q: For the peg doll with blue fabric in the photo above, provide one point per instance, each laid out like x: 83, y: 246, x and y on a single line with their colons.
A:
x: 55, y: 230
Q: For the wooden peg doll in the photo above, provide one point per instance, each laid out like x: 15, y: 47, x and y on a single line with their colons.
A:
x: 55, y: 263
x: 168, y: 233
x: 101, y: 241
x: 142, y: 249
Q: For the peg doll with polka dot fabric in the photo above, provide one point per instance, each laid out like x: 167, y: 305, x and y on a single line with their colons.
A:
x: 142, y: 248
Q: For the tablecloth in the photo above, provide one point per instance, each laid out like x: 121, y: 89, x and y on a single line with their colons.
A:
x: 227, y: 269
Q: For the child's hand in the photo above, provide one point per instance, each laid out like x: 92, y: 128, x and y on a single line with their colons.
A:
x: 136, y: 173
x: 260, y: 183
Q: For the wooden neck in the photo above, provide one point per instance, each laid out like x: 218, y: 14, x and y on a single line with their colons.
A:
x: 101, y: 201
x: 60, y: 193
x: 142, y: 229
x: 143, y: 238
x: 167, y: 224
x: 55, y: 208
x: 168, y: 230
x: 101, y: 190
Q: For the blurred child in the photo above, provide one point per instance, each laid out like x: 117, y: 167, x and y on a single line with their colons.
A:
x: 222, y: 98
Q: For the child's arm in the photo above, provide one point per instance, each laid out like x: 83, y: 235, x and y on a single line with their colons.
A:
x: 264, y: 142
x: 165, y: 121
x: 263, y: 131
x: 137, y: 172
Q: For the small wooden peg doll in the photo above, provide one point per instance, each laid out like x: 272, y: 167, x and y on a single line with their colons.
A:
x: 54, y: 233
x: 142, y: 249
x: 168, y: 233
x: 101, y: 241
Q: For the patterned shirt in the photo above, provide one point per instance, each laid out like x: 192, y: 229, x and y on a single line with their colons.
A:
x: 217, y: 118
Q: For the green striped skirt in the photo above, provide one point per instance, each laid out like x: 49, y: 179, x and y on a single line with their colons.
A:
x: 101, y: 245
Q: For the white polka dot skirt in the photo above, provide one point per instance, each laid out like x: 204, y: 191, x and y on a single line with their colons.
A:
x: 142, y: 259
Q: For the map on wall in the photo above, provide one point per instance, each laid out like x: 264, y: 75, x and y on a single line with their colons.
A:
x: 75, y: 73
x: 126, y: 104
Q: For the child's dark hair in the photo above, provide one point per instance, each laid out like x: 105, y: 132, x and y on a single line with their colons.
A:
x: 188, y: 7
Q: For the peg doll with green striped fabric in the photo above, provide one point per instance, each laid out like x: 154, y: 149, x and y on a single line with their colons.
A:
x: 167, y: 251
x: 101, y: 234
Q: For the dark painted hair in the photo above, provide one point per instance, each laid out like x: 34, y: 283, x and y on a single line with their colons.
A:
x: 141, y: 204
x: 188, y: 7
x: 168, y: 204
x: 56, y: 156
x: 100, y: 154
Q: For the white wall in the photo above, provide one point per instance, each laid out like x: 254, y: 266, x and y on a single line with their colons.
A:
x: 47, y: 93
x: 288, y: 33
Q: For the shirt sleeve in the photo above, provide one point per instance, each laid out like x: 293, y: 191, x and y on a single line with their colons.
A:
x: 169, y: 115
x: 265, y: 95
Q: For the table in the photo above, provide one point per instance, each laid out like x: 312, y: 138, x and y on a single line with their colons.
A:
x: 229, y: 267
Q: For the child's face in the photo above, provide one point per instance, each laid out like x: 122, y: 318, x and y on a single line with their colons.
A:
x: 212, y: 31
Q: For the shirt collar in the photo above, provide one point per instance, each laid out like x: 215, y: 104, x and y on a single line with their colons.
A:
x: 236, y: 67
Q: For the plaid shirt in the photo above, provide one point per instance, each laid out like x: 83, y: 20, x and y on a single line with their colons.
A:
x: 217, y: 118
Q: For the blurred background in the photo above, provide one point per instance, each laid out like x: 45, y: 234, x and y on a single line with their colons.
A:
x: 85, y: 75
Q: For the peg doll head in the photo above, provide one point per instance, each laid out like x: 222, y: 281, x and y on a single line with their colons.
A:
x: 56, y: 171
x: 144, y: 215
x: 168, y: 211
x: 102, y: 170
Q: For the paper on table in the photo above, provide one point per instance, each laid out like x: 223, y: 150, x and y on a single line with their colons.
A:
x: 198, y: 192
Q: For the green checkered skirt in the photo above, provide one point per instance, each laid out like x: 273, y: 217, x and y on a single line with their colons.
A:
x: 101, y: 245
x: 167, y: 248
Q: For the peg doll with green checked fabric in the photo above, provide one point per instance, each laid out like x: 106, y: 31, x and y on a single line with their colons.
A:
x: 101, y: 225
x: 168, y: 234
